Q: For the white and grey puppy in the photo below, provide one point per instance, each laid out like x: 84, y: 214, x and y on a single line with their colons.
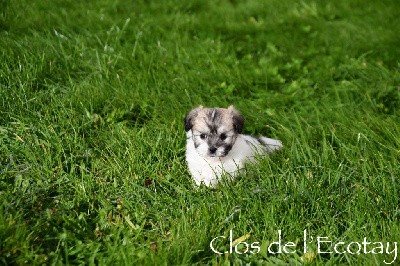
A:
x: 216, y: 147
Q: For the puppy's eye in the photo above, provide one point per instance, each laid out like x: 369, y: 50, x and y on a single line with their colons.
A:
x: 222, y: 136
x: 203, y: 136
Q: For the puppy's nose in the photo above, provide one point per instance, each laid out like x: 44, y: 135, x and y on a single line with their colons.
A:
x: 212, y: 149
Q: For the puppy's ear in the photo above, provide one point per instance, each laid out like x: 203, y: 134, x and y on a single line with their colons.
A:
x: 190, y: 116
x: 237, y: 118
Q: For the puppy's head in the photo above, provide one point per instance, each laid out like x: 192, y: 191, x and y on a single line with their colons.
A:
x: 214, y: 130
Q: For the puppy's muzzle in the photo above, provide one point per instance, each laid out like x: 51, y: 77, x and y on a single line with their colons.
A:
x: 212, y: 150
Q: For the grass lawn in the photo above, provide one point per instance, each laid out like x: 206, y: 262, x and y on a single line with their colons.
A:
x: 92, y: 143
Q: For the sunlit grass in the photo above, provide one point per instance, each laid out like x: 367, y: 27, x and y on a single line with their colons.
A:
x: 92, y: 97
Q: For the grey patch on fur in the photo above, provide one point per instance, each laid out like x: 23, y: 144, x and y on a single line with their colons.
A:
x: 196, y: 144
x: 227, y: 148
x: 264, y: 144
x: 188, y: 120
x: 213, y: 120
x: 213, y: 114
x: 269, y: 147
x: 248, y: 142
x: 260, y: 141
x: 238, y: 120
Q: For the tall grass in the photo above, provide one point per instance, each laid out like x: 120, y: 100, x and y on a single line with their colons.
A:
x: 92, y: 96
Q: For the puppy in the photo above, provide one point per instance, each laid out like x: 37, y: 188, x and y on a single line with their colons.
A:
x: 215, y: 146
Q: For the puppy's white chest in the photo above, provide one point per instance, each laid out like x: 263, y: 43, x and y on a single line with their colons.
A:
x: 209, y: 170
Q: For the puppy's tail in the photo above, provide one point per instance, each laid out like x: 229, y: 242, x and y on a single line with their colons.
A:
x: 270, y: 145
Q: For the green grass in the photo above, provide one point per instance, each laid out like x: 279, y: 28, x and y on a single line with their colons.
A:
x: 92, y: 144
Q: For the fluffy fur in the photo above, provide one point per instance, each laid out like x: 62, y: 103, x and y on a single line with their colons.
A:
x: 215, y: 146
